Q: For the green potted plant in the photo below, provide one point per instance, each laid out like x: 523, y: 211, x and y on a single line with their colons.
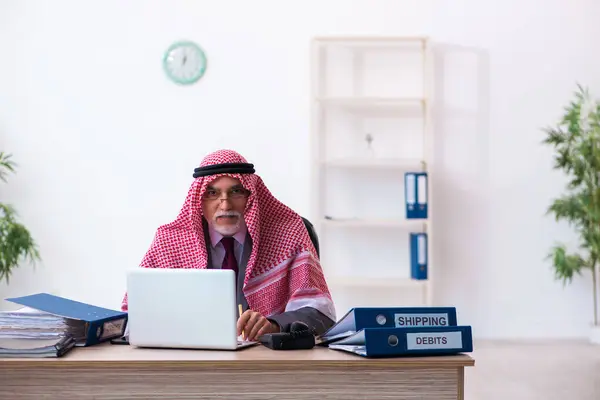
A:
x: 576, y: 141
x: 16, y: 243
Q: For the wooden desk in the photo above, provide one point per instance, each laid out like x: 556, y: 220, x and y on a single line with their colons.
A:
x: 126, y: 372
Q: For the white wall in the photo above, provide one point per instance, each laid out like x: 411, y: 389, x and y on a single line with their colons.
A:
x: 496, y: 248
x: 106, y: 144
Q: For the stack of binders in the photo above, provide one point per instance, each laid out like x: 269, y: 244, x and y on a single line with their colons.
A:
x: 416, y: 198
x: 49, y: 326
x: 399, y: 331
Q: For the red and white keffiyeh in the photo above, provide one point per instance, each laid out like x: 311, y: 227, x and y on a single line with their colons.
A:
x: 283, y: 271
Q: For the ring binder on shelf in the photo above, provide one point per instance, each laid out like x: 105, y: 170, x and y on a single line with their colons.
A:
x: 418, y: 256
x: 415, y: 193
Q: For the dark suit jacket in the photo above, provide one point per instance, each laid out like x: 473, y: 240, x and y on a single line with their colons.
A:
x: 316, y: 320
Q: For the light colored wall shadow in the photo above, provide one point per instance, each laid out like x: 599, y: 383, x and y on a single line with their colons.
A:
x: 461, y: 221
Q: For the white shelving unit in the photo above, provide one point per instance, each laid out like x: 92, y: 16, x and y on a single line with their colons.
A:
x: 377, y: 88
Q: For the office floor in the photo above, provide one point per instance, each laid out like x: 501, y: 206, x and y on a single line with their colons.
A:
x: 548, y: 370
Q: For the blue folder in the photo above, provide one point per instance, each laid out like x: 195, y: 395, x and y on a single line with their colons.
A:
x: 418, y: 255
x: 88, y: 324
x: 388, y: 317
x: 415, y: 341
x: 415, y: 195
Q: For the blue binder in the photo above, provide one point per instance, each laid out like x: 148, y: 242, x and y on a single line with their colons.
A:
x: 418, y: 256
x: 88, y: 324
x: 415, y: 193
x: 388, y: 317
x: 393, y: 342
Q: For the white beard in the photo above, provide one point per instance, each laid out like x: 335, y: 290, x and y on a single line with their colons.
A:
x: 227, y: 230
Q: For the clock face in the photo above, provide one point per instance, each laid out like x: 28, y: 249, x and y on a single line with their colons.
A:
x: 184, y: 62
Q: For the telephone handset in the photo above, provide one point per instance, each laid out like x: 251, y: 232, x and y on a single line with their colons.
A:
x: 300, y: 337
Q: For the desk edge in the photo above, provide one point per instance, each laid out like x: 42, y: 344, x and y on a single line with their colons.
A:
x: 358, y: 363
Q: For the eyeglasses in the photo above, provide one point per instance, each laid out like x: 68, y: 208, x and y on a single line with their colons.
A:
x: 231, y: 194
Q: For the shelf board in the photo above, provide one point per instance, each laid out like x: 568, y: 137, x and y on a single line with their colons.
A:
x: 375, y: 223
x: 383, y: 163
x: 373, y: 103
x: 376, y: 282
x: 371, y: 41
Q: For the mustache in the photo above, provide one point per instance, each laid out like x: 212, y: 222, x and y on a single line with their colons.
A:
x: 221, y: 213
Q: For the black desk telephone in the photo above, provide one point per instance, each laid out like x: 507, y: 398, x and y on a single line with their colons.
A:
x: 298, y: 338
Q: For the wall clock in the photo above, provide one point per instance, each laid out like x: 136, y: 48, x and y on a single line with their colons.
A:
x: 184, y: 62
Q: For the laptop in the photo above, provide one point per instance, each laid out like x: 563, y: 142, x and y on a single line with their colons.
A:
x: 183, y: 308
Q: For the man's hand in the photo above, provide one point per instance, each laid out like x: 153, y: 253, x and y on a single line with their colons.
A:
x: 254, y: 324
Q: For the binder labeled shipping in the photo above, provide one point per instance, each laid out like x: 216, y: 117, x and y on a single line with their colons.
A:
x: 391, y: 342
x: 85, y: 323
x: 388, y: 317
x: 418, y: 256
x: 415, y: 193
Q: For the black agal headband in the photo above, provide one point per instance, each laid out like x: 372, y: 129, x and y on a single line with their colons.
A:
x: 225, y: 168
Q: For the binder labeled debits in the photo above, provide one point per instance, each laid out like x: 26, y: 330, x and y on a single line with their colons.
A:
x: 85, y: 323
x: 388, y: 317
x: 393, y: 342
x: 415, y: 193
x: 418, y: 256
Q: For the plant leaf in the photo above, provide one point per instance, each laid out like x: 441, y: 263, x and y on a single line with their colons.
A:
x: 565, y: 265
x: 16, y: 243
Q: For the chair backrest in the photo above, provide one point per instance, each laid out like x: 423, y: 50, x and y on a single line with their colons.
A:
x: 313, y: 234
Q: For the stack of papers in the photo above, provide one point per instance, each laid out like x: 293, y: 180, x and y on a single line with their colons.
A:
x: 32, y: 333
x: 30, y: 324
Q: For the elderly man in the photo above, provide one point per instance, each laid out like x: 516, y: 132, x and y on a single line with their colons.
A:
x: 231, y: 220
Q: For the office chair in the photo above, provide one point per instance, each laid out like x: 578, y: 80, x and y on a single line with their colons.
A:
x: 312, y: 233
